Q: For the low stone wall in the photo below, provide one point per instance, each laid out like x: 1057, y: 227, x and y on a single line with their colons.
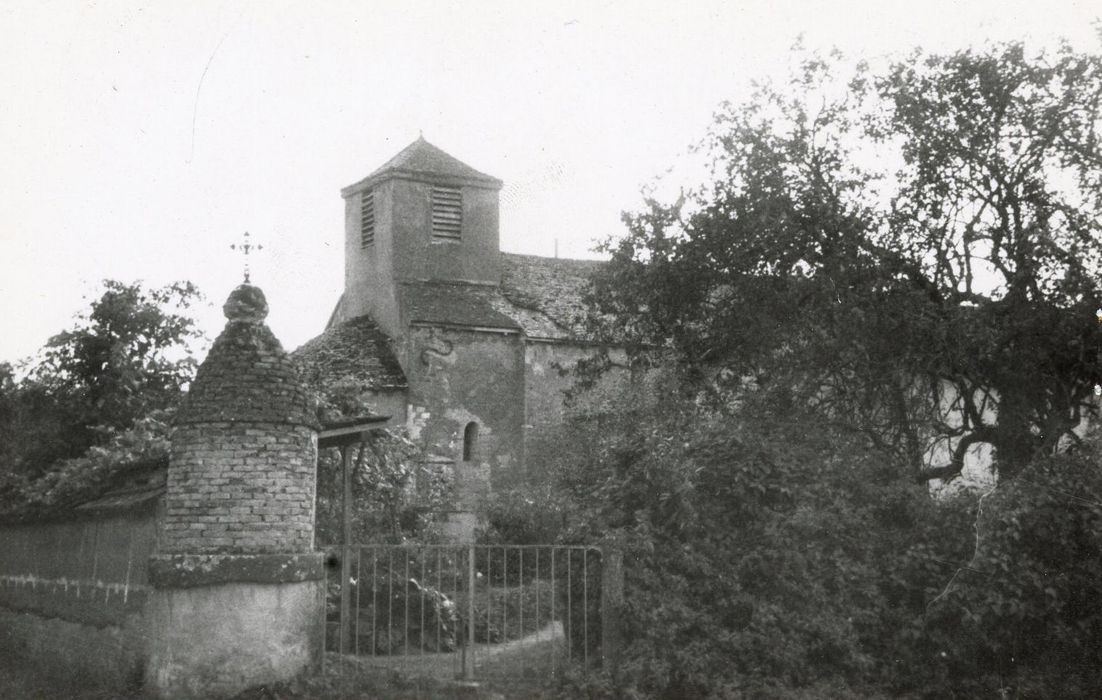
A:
x: 226, y: 658
x: 73, y: 595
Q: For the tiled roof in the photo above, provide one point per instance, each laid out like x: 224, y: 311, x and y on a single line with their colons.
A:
x: 140, y: 487
x: 355, y: 350
x: 454, y: 304
x: 423, y: 159
x: 547, y: 294
x: 126, y: 486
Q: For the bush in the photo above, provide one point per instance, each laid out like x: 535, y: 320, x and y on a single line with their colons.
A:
x: 1025, y: 615
x: 765, y: 553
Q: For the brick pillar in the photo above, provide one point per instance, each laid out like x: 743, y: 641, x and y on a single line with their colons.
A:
x: 239, y: 597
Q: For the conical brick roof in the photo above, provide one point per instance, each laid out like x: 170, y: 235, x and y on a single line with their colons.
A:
x: 247, y: 377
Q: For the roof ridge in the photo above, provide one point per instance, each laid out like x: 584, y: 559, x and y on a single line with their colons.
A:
x: 552, y: 258
x: 449, y: 283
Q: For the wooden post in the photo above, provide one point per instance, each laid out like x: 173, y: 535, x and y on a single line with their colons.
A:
x: 342, y: 435
x: 346, y: 550
x: 612, y: 600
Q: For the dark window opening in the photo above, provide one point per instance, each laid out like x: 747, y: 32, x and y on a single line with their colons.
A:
x: 470, y: 440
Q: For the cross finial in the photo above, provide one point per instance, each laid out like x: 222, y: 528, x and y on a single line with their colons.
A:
x: 245, y: 246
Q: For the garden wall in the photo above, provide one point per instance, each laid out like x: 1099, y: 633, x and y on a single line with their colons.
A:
x: 74, y: 590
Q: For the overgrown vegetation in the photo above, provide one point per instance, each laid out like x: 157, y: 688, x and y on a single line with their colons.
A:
x: 98, y: 398
x: 916, y: 250
x: 769, y: 554
x: 885, y: 270
x: 396, y: 497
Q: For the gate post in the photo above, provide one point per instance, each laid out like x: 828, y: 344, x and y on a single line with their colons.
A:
x: 468, y: 649
x: 346, y: 551
x: 612, y: 600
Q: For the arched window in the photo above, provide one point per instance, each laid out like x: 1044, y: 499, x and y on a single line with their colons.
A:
x: 470, y: 440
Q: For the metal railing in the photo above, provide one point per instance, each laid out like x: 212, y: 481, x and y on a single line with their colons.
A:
x: 473, y: 610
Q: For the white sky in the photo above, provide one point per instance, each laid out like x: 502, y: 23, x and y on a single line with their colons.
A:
x: 137, y: 141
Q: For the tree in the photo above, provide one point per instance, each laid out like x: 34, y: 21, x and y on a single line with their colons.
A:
x: 129, y: 356
x: 915, y: 253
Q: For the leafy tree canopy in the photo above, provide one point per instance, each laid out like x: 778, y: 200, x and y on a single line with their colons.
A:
x: 128, y: 357
x: 914, y: 251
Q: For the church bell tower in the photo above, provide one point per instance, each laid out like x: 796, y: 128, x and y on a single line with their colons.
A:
x: 422, y: 217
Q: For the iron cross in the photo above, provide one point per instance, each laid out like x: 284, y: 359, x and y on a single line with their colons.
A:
x: 245, y: 246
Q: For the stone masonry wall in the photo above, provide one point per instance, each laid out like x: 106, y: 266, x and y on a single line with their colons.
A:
x: 240, y: 488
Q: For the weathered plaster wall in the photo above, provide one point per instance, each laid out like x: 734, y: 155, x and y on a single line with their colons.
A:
x: 73, y: 594
x: 405, y: 250
x: 389, y: 403
x: 251, y: 634
x: 463, y: 376
x: 544, y: 383
x: 417, y: 256
x: 368, y: 272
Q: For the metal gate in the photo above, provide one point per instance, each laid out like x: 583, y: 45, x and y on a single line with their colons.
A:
x: 474, y: 611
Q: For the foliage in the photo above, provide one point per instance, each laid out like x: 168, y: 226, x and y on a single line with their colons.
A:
x: 880, y: 271
x: 534, y: 513
x: 771, y: 554
x: 909, y: 258
x: 915, y: 252
x: 396, y: 496
x: 1024, y: 617
x: 765, y: 551
x: 126, y: 357
x: 508, y: 613
x: 143, y: 445
x: 97, y: 397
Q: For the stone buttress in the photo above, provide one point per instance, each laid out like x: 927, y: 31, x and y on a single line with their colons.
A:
x: 239, y: 594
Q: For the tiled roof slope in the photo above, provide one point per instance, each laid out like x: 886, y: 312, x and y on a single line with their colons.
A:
x: 247, y: 377
x: 547, y: 294
x: 423, y: 159
x: 454, y: 304
x: 355, y: 350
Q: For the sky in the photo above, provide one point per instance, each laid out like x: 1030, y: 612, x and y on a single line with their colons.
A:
x: 139, y: 140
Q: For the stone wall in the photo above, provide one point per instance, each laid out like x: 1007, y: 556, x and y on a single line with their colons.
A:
x: 73, y: 595
x: 460, y: 377
x: 241, y: 487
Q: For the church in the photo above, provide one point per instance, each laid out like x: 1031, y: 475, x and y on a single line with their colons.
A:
x: 463, y: 345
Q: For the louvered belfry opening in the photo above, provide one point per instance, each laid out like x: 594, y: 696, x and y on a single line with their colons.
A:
x: 447, y: 212
x: 367, y: 218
